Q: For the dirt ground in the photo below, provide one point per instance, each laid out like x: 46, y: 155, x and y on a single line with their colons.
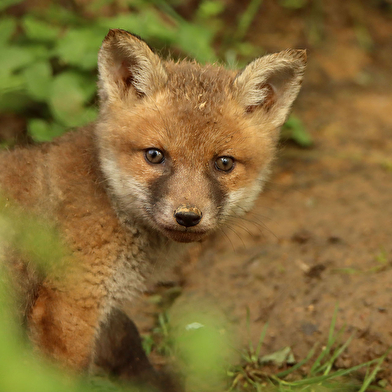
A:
x: 321, y: 234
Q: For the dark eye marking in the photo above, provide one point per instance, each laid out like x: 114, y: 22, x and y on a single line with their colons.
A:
x: 225, y: 164
x: 154, y: 156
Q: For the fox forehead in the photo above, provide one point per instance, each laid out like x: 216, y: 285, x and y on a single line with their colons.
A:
x: 199, y: 85
x: 188, y: 133
x: 194, y: 118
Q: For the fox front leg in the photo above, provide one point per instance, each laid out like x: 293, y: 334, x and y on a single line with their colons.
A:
x: 119, y: 353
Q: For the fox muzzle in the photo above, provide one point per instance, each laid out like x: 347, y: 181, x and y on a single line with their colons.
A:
x: 188, y: 216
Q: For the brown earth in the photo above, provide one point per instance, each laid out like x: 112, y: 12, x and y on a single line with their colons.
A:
x: 321, y: 234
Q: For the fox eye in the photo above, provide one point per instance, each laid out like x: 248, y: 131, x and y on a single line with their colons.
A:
x: 225, y: 164
x: 153, y: 155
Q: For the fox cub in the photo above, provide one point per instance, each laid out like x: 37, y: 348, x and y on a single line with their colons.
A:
x: 177, y: 150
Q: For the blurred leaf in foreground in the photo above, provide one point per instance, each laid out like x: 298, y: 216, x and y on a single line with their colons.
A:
x: 203, y: 345
x: 7, y: 3
x: 7, y: 29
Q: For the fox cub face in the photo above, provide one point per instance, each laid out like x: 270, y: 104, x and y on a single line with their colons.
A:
x: 185, y: 147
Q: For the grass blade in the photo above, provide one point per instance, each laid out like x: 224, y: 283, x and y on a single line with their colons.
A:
x: 339, y: 373
x: 251, y: 349
x: 331, y: 340
x: 328, y: 366
x: 261, y: 341
x: 372, y: 375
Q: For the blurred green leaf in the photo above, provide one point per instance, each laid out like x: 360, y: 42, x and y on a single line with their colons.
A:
x: 39, y: 51
x: 38, y: 79
x: 209, y: 8
x: 7, y: 3
x: 247, y: 49
x: 57, y: 13
x: 203, y: 342
x: 14, y: 99
x: 9, y: 82
x: 67, y: 100
x: 148, y: 25
x: 156, y: 27
x: 41, y: 131
x: 197, y: 42
x: 7, y: 29
x: 37, y: 30
x: 13, y: 58
x: 80, y: 47
x: 147, y: 343
x: 295, y: 130
x: 129, y: 22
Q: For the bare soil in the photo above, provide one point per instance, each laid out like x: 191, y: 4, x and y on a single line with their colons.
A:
x: 321, y: 234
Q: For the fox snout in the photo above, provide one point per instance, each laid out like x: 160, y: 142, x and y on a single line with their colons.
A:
x: 187, y: 215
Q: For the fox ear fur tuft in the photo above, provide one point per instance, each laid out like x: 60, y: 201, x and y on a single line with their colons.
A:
x: 271, y: 84
x: 128, y: 69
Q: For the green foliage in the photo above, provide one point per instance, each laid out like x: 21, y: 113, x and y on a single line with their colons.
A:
x: 295, y: 130
x: 210, y: 8
x: 7, y: 3
x: 30, y: 236
x: 48, y: 57
x: 160, y: 338
x: 201, y: 344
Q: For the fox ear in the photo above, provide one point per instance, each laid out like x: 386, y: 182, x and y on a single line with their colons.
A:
x: 128, y: 69
x: 271, y: 83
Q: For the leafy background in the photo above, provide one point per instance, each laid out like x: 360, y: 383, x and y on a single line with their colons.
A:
x: 48, y: 56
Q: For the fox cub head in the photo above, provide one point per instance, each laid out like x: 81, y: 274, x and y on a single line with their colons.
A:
x: 185, y: 147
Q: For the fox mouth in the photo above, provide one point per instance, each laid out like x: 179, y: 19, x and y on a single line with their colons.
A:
x: 185, y: 235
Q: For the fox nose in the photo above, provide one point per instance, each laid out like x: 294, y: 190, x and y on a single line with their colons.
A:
x: 188, y: 216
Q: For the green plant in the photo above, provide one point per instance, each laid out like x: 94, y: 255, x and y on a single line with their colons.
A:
x: 295, y: 130
x: 48, y: 59
x: 160, y: 338
x: 250, y: 376
x: 48, y: 56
